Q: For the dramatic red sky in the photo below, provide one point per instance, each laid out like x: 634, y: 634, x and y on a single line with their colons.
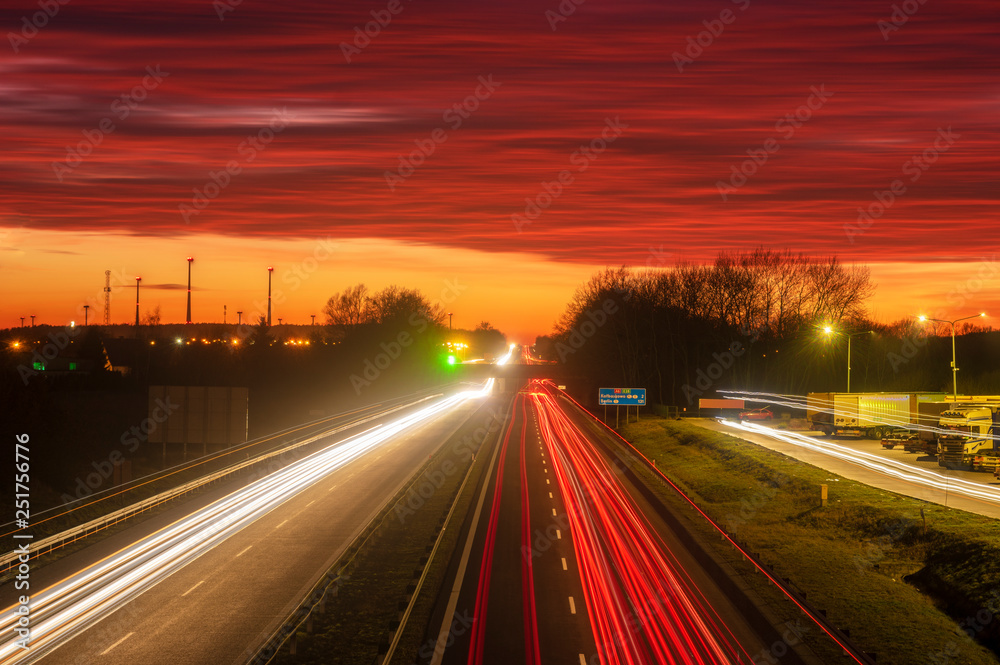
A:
x: 650, y: 199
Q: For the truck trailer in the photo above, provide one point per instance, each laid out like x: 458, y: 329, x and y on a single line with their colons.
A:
x: 872, y: 415
x: 971, y: 439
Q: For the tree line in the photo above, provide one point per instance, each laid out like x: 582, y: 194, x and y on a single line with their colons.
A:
x: 750, y: 320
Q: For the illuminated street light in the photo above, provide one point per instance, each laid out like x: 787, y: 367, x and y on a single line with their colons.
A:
x: 954, y: 366
x: 830, y: 331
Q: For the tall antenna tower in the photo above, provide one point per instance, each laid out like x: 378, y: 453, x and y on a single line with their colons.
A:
x: 107, y: 297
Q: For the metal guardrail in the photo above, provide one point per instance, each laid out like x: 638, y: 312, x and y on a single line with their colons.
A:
x: 316, y: 597
x: 841, y: 637
x: 10, y: 560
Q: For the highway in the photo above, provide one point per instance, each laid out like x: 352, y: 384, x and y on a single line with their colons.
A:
x: 216, y: 577
x: 867, y: 462
x: 564, y: 563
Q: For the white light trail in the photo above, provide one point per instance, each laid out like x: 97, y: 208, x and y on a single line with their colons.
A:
x: 75, y: 603
x: 889, y: 467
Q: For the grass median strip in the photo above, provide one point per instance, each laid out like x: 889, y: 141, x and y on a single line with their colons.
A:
x: 913, y: 582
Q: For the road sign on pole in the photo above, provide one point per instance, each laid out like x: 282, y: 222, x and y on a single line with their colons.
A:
x: 622, y: 396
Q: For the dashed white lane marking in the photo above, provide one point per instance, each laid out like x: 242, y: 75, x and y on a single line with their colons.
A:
x: 553, y: 511
x: 564, y: 563
x: 244, y: 551
x: 583, y: 659
x: 558, y: 534
x: 550, y: 495
x: 547, y: 482
x: 117, y: 643
x: 280, y: 525
x: 188, y: 591
x: 310, y: 503
x: 332, y: 488
x: 572, y: 606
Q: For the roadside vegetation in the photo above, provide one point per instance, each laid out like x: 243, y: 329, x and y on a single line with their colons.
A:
x: 913, y: 582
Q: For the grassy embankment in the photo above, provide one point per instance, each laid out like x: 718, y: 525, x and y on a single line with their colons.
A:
x: 909, y: 590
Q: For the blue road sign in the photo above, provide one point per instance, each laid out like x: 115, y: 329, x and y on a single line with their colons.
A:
x: 622, y: 396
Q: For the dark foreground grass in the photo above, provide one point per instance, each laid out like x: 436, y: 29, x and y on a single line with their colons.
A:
x: 914, y: 582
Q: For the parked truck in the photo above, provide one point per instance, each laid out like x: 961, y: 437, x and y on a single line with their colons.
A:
x: 872, y: 415
x: 971, y: 439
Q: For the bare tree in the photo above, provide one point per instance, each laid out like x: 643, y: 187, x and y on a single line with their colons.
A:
x: 348, y: 308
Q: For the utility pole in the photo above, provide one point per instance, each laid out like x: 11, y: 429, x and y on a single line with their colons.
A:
x: 269, y: 271
x: 137, y: 280
x: 86, y: 311
x: 190, y: 261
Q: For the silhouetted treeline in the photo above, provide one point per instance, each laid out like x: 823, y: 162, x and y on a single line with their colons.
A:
x: 752, y: 321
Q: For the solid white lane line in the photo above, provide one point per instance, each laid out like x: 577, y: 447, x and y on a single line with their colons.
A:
x: 117, y: 643
x: 192, y: 588
x: 244, y: 551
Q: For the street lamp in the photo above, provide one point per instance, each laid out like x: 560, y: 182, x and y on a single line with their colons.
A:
x: 190, y: 261
x: 954, y: 366
x: 269, y: 271
x: 137, y: 280
x: 86, y: 311
x: 830, y: 331
x: 449, y: 320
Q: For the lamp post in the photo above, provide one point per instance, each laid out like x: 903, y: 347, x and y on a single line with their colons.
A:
x: 830, y: 331
x: 239, y: 318
x: 86, y: 311
x: 269, y: 271
x: 190, y: 261
x: 954, y: 366
x: 137, y: 280
x: 449, y: 320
